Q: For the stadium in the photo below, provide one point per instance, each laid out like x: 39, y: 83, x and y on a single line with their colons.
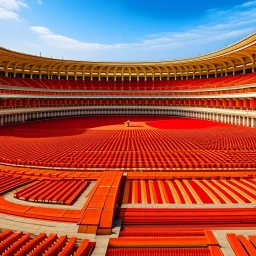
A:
x: 129, y: 157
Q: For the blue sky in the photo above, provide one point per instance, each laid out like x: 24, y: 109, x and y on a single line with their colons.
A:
x: 124, y: 30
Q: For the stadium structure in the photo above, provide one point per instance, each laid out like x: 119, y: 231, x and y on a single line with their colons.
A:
x: 76, y: 178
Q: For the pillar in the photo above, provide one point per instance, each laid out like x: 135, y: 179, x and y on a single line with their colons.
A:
x: 248, y: 122
x: 252, y: 122
x: 244, y: 121
x: 239, y: 120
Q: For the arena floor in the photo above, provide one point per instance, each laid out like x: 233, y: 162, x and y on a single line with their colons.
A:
x: 149, y: 143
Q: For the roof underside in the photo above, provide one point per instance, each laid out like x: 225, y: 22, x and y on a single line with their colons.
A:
x: 240, y: 56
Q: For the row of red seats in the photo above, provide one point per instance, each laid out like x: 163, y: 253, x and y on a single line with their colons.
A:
x: 189, y: 243
x: 196, y: 148
x: 216, y: 146
x: 137, y: 231
x: 34, y: 174
x: 241, y: 245
x: 225, y: 90
x: 189, y: 191
x: 20, y: 244
x: 130, y: 85
x: 159, y: 252
x: 218, y: 103
x: 8, y: 182
x: 197, y: 218
x: 51, y: 191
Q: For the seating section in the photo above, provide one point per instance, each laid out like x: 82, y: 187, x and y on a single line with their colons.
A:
x: 194, y: 144
x: 196, y: 218
x: 241, y: 245
x: 53, y: 191
x: 159, y: 231
x: 8, y: 183
x: 241, y: 104
x: 164, y: 243
x: 130, y: 85
x: 184, y: 191
x: 159, y: 251
x: 20, y: 244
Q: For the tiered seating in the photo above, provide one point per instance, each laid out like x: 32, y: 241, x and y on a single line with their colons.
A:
x: 209, y: 91
x: 49, y: 174
x: 127, y: 231
x: 20, y: 244
x: 130, y: 85
x: 195, y: 217
x: 177, y: 143
x: 241, y: 245
x: 186, y: 243
x: 244, y: 104
x: 159, y: 251
x: 8, y: 182
x: 189, y: 191
x: 53, y: 191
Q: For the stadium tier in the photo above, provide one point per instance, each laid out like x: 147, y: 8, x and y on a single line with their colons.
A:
x: 128, y: 158
x: 88, y: 85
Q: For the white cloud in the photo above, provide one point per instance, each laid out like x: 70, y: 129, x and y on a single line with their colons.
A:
x: 39, y: 1
x: 12, y: 4
x: 248, y: 4
x: 6, y: 14
x: 224, y: 26
x: 9, y: 9
x: 239, y: 22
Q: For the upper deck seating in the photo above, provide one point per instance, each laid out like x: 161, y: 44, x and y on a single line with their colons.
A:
x: 184, y: 84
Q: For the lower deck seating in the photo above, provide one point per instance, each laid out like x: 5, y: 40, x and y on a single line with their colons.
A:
x: 159, y: 252
x: 127, y: 231
x: 241, y: 245
x: 182, y: 191
x: 196, y: 218
x: 20, y: 244
x: 53, y: 191
x: 212, y: 145
x: 8, y: 182
x: 158, y: 241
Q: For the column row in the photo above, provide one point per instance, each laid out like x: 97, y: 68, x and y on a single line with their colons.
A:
x: 230, y: 119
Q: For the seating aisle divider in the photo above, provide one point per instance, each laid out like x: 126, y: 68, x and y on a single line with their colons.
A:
x: 98, y: 212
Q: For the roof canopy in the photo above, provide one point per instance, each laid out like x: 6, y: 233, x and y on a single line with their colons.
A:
x: 237, y: 57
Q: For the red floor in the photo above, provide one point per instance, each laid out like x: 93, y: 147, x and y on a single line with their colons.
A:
x: 175, y: 143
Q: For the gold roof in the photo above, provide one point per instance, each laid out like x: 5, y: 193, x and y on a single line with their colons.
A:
x: 239, y: 56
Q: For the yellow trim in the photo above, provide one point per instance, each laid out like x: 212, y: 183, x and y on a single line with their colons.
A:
x: 237, y: 57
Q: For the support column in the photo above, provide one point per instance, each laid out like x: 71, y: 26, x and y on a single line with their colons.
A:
x: 248, y: 122
x: 231, y: 119
x: 239, y: 120
x: 244, y: 121
x: 252, y: 122
x: 1, y: 120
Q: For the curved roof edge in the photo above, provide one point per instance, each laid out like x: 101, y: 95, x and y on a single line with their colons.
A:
x: 233, y: 48
x: 235, y: 58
